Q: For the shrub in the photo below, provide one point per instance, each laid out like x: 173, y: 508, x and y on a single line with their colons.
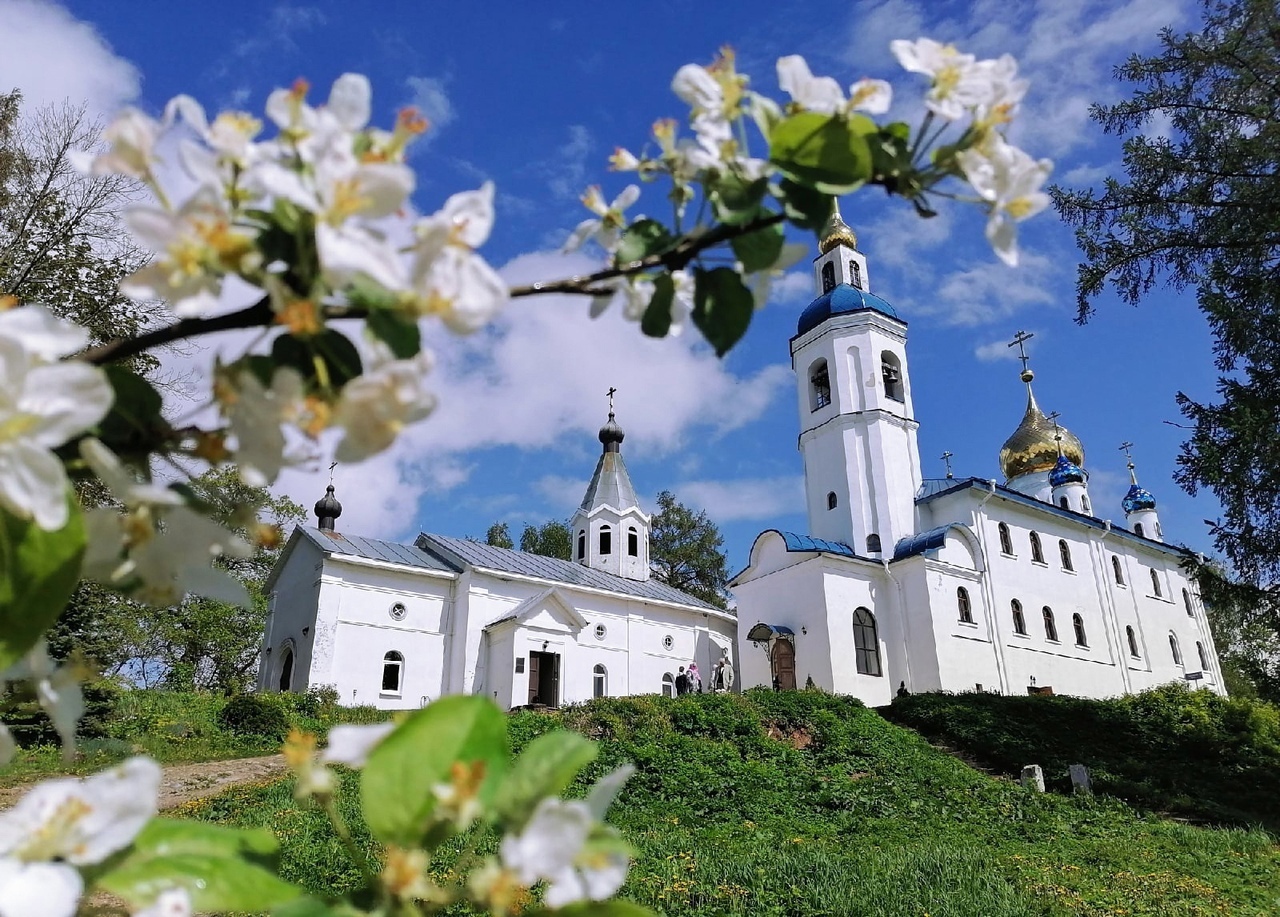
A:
x: 255, y: 715
x: 20, y: 711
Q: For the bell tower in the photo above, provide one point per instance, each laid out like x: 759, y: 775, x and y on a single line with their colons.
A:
x: 857, y: 423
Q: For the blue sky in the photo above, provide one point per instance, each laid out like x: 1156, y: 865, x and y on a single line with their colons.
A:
x: 535, y: 97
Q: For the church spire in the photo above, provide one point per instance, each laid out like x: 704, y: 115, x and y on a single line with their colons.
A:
x: 1039, y: 441
x: 611, y: 531
x: 327, y: 510
x: 836, y: 231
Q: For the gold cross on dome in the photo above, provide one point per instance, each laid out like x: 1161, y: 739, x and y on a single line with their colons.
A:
x: 1018, y: 340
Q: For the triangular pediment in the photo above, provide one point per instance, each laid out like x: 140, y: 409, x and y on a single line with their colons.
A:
x: 548, y: 610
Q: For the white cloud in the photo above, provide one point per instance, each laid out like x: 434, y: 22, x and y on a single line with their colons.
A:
x: 992, y: 291
x: 567, y: 170
x: 51, y: 56
x: 745, y: 498
x: 563, y: 490
x: 1085, y: 175
x: 995, y: 351
x: 791, y: 288
x: 428, y: 95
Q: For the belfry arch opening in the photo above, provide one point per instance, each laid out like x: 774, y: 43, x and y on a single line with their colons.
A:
x: 819, y: 386
x: 891, y: 374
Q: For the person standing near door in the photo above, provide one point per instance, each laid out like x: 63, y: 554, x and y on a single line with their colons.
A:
x: 682, y: 683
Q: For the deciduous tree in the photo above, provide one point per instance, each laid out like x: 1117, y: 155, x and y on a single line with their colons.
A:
x: 685, y: 551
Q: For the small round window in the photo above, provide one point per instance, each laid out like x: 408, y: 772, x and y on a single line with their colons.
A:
x: 668, y: 641
x: 600, y: 631
x: 398, y: 611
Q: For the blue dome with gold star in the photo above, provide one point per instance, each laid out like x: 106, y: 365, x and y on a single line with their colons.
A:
x: 1138, y: 498
x: 841, y: 300
x: 1066, y: 471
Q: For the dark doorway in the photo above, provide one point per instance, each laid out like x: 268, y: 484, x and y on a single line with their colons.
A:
x: 286, y: 670
x: 783, y: 659
x: 544, y: 679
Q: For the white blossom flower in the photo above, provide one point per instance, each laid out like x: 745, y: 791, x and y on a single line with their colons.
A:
x: 623, y: 160
x: 351, y: 745
x: 376, y: 406
x: 157, y: 549
x: 959, y: 83
x: 57, y: 689
x: 1006, y: 92
x: 813, y: 93
x: 42, y: 406
x: 63, y: 824
x: 1009, y: 180
x: 257, y: 415
x: 196, y: 247
x: 636, y: 297
x: 606, y: 229
x: 173, y: 902
x: 872, y: 96
x: 131, y: 139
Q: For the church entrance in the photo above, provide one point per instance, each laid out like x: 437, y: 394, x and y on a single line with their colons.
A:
x: 782, y: 658
x: 544, y: 679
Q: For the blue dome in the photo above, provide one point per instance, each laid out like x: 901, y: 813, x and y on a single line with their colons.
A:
x: 1137, y: 498
x: 1065, y: 471
x: 843, y: 299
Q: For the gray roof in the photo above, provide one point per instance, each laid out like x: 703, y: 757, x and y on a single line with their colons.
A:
x: 610, y: 485
x: 458, y: 552
x: 372, y: 549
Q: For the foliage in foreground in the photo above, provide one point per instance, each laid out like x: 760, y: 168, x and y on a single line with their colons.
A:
x: 1169, y: 749
x: 807, y: 804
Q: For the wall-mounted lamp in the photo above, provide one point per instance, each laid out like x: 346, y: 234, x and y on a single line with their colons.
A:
x: 545, y: 644
x: 804, y: 630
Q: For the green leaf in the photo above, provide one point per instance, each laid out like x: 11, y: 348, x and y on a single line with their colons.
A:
x: 38, y: 572
x: 614, y: 908
x: 735, y: 200
x: 167, y: 836
x: 314, y: 907
x: 760, y: 249
x: 342, y: 361
x: 656, y: 321
x: 830, y: 154
x: 215, y: 882
x: 369, y: 295
x: 642, y: 239
x: 544, y: 768
x: 397, y: 782
x: 134, y: 422
x: 397, y: 332
x: 722, y: 307
x: 804, y: 207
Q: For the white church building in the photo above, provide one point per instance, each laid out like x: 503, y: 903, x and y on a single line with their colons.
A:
x: 952, y: 584
x: 397, y: 626
x: 900, y: 583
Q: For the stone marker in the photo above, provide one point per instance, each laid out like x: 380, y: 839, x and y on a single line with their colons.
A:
x: 1080, y: 779
x: 1033, y: 778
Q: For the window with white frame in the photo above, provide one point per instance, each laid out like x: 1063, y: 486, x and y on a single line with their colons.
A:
x: 599, y: 682
x: 392, y: 673
x: 668, y: 685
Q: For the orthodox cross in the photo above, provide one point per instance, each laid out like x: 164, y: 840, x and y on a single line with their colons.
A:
x: 1125, y: 447
x: 331, y: 467
x: 946, y: 457
x: 1018, y: 340
x: 1057, y: 430
x: 612, y: 391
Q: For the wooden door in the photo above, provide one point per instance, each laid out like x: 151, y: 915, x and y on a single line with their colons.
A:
x: 534, y: 677
x: 783, y: 657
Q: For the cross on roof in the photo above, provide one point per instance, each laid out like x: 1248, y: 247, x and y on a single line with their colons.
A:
x: 946, y: 457
x: 612, y: 391
x: 1125, y: 447
x: 332, y: 465
x: 1018, y: 340
x: 1057, y: 430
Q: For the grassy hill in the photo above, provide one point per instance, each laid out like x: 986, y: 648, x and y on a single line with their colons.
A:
x: 806, y: 804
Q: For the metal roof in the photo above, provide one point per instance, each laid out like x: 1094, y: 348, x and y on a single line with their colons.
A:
x: 372, y: 549
x: 761, y: 632
x: 841, y: 300
x: 458, y: 552
x: 797, y: 542
x: 930, y: 540
x: 610, y: 485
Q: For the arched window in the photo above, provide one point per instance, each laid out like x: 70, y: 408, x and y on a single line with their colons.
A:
x: 865, y: 643
x: 1137, y: 529
x: 855, y: 273
x: 966, y: 609
x: 1084, y: 504
x: 1077, y: 623
x: 1204, y: 660
x: 1133, y: 642
x: 1155, y: 584
x: 1159, y: 534
x: 819, y: 386
x: 1006, y: 543
x: 1019, y: 621
x: 392, y: 672
x: 1064, y: 552
x: 1186, y: 600
x: 1050, y: 629
x: 286, y: 668
x: 891, y: 372
x: 828, y: 277
x: 873, y: 543
x: 1062, y: 501
x: 1173, y: 648
x: 832, y: 500
x: 668, y: 685
x: 633, y: 542
x: 606, y: 540
x: 1037, y: 553
x: 582, y: 545
x: 599, y: 682
x: 1115, y: 568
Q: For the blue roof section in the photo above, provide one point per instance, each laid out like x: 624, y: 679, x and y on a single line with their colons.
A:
x: 373, y: 549
x: 1065, y: 471
x: 842, y: 300
x: 1137, y: 498
x: 924, y: 541
x: 458, y: 552
x: 796, y: 542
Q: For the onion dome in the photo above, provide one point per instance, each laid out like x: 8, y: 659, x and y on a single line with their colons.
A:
x: 836, y: 232
x: 328, y: 509
x: 1065, y: 471
x: 1138, y: 498
x: 1034, y: 445
x: 611, y: 435
x: 841, y: 300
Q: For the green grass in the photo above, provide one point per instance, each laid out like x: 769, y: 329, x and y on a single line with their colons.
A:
x: 1190, y: 753
x: 728, y: 816
x: 174, y: 727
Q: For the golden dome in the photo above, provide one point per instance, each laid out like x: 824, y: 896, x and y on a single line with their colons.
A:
x: 836, y: 232
x: 1032, y: 447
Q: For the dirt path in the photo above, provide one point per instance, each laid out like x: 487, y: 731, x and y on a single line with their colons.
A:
x: 185, y: 782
